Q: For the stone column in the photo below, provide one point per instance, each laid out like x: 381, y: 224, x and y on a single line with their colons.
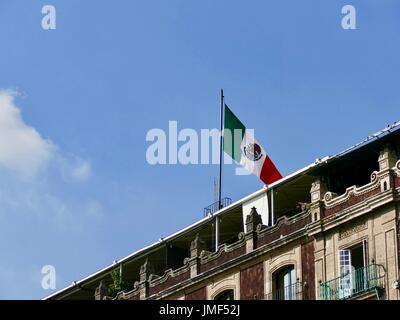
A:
x: 196, y: 247
x: 252, y: 220
x: 145, y: 271
x: 101, y: 291
x: 317, y: 191
x: 387, y: 160
x: 319, y: 263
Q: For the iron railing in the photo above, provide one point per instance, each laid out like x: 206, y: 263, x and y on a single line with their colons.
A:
x: 292, y: 292
x: 357, y: 281
x: 214, y: 207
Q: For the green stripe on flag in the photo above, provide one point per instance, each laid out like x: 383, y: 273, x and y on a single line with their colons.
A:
x: 233, y: 134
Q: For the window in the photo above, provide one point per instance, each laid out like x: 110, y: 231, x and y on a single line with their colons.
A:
x: 352, y: 263
x: 225, y: 295
x: 285, y: 284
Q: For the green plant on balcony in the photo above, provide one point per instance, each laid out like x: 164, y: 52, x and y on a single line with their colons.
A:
x: 117, y: 284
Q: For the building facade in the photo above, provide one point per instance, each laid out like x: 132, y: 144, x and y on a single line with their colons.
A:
x: 331, y: 233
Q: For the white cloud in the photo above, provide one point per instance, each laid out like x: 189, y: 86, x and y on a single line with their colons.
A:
x: 74, y: 169
x: 22, y: 148
x: 82, y: 171
x: 24, y: 151
x: 40, y: 204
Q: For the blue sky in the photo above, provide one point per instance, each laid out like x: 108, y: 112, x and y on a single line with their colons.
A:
x: 76, y: 191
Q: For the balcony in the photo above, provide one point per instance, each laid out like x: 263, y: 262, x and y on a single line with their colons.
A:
x: 291, y: 292
x: 354, y: 283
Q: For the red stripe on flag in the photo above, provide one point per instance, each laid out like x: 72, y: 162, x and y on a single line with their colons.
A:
x: 269, y: 173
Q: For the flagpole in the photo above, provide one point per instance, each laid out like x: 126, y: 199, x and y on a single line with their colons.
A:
x: 220, y: 170
x: 220, y: 149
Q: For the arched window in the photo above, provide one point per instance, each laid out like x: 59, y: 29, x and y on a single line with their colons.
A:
x: 284, y: 284
x: 225, y: 295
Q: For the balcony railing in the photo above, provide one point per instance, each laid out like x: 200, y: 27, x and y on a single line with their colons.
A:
x: 353, y: 283
x: 292, y: 292
x: 214, y: 207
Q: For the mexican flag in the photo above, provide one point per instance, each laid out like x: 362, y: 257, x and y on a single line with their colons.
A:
x: 240, y: 144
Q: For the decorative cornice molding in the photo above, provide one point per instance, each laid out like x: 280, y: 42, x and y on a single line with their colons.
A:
x: 331, y: 199
x: 207, y: 256
x: 122, y: 295
x: 284, y: 220
x: 397, y: 168
x: 242, y: 259
x: 155, y: 280
x: 356, y: 211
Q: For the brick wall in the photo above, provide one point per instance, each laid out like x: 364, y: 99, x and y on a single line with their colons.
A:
x: 352, y: 201
x: 200, y: 294
x: 135, y: 296
x: 308, y: 270
x: 171, y: 281
x: 223, y: 258
x: 397, y: 182
x: 252, y: 283
x: 285, y: 229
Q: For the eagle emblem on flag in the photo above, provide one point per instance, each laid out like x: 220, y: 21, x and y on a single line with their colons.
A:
x: 253, y: 151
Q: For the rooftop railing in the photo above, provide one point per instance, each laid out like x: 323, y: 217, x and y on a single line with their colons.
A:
x: 354, y: 282
x: 214, y: 207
